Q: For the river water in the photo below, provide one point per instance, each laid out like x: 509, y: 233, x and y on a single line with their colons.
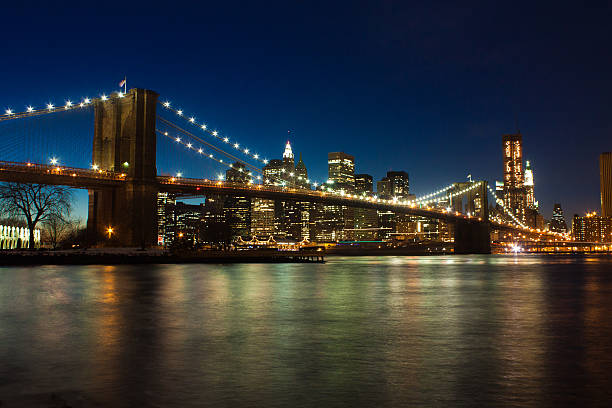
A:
x: 358, y: 331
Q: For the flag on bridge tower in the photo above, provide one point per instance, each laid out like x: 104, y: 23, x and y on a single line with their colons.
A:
x: 123, y: 84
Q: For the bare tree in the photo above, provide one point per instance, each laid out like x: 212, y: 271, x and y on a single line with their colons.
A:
x: 57, y: 228
x: 34, y: 203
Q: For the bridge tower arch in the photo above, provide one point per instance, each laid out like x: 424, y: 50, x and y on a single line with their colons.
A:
x: 125, y: 142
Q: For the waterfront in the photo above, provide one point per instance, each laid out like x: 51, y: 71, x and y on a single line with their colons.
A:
x: 356, y: 331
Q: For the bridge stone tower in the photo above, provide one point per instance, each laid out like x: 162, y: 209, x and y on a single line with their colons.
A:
x: 125, y: 142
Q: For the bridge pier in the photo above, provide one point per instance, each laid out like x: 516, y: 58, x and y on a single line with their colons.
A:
x: 472, y: 237
x: 125, y: 142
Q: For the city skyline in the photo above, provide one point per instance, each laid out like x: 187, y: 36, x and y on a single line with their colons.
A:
x: 413, y: 105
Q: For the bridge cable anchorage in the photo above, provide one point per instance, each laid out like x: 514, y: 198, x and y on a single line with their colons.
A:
x: 214, y: 133
x: 49, y: 108
x: 200, y: 140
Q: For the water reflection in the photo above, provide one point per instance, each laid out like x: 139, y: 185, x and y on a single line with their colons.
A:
x: 373, y: 331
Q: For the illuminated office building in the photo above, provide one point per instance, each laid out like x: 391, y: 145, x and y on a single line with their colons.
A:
x: 529, y: 186
x: 605, y: 178
x: 592, y: 228
x: 514, y: 183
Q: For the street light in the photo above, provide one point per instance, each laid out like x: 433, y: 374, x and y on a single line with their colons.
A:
x: 109, y: 231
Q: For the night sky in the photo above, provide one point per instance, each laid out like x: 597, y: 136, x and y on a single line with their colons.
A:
x: 426, y: 89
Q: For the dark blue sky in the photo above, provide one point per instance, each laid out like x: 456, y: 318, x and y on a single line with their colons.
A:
x: 415, y: 87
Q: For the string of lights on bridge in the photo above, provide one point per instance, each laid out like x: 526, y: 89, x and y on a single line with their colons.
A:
x: 50, y: 107
x: 215, y: 133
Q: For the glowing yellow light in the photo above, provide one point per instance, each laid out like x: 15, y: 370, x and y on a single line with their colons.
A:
x: 215, y: 133
x: 53, y: 160
x: 30, y: 109
x: 110, y: 231
x: 166, y: 104
x: 9, y: 112
x: 86, y: 100
x: 203, y: 127
x: 104, y: 97
x: 192, y: 119
x: 50, y: 106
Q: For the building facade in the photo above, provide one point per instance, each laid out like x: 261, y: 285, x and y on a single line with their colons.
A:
x: 514, y: 183
x: 592, y: 228
x: 605, y: 178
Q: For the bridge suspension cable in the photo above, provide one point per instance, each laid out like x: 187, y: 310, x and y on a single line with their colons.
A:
x: 30, y: 111
x: 200, y: 140
x: 215, y: 133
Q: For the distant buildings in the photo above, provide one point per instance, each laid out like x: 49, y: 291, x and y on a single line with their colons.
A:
x: 557, y: 222
x: 605, y: 178
x: 592, y: 228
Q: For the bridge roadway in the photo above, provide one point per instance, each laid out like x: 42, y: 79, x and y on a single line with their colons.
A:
x: 101, y: 179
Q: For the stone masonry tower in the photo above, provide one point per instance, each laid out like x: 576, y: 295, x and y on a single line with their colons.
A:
x: 125, y: 142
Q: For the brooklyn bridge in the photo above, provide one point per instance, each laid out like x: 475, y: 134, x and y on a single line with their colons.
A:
x: 123, y: 181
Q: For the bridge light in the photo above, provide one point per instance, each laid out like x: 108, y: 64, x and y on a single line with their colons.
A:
x: 192, y: 119
x: 30, y: 109
x: 220, y: 176
x: 200, y: 151
x: 258, y: 177
x: 236, y: 145
x: 246, y: 151
x: 95, y: 167
x: 86, y: 100
x: 179, y: 112
x: 104, y: 97
x: 50, y: 106
x: 189, y: 145
x: 120, y: 94
x: 215, y: 133
x: 166, y: 104
x: 203, y: 127
x: 179, y: 174
x: 68, y: 104
x: 53, y: 160
x: 81, y: 105
x: 265, y: 161
x: 256, y: 156
x: 211, y: 156
x: 9, y: 112
x: 178, y: 139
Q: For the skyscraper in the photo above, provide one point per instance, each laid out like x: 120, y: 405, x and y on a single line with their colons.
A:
x: 514, y: 183
x: 366, y: 219
x: 301, y: 174
x: 237, y: 209
x: 605, y: 179
x: 529, y: 186
x: 399, y: 183
x: 341, y: 168
x: 557, y: 222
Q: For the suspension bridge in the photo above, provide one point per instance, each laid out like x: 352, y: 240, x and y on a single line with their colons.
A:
x: 122, y: 179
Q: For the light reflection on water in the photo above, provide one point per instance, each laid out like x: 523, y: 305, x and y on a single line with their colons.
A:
x: 369, y: 331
